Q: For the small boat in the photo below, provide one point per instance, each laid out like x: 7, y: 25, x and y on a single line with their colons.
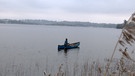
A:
x: 69, y: 46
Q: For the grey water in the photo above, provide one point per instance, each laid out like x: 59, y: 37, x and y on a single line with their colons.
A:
x: 29, y: 50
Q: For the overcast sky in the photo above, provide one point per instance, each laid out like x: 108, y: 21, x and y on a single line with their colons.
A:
x: 100, y: 11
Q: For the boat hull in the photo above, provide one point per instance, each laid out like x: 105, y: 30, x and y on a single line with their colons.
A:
x: 69, y: 46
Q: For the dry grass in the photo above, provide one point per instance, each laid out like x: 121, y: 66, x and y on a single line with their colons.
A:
x: 126, y: 39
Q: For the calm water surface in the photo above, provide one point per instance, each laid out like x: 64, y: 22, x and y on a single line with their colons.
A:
x: 29, y: 50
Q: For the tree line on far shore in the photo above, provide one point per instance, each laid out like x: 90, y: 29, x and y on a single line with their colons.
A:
x: 60, y: 23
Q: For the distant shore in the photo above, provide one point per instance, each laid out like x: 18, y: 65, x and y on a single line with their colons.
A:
x: 59, y: 23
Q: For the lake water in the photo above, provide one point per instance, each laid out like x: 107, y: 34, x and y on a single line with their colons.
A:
x: 29, y: 50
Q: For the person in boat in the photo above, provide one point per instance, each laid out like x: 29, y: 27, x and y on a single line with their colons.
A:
x: 66, y: 42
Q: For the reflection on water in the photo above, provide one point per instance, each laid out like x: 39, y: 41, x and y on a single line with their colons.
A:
x: 65, y: 51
